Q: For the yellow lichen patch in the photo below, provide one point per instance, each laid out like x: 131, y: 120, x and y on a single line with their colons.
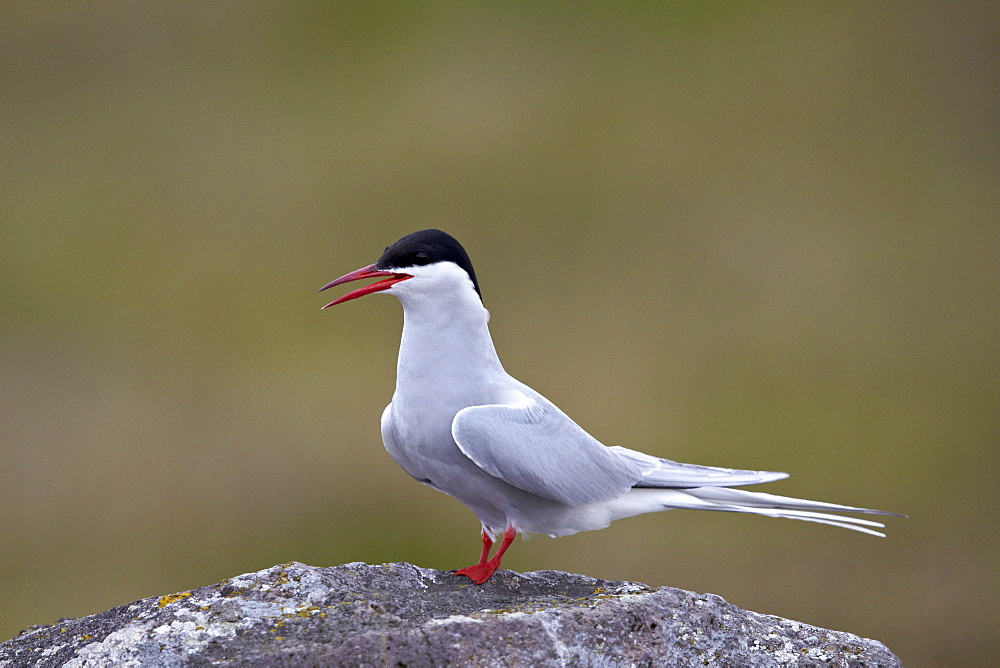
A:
x: 85, y: 637
x: 170, y: 598
x: 306, y: 612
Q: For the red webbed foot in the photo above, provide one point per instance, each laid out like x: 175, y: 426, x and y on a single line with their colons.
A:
x: 484, y: 570
x: 479, y: 573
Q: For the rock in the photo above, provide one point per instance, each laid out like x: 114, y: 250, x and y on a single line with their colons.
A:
x: 399, y: 614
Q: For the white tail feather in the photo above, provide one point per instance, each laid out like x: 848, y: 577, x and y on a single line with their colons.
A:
x: 645, y: 500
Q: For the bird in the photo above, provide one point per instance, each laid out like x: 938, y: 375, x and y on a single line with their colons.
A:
x: 460, y: 424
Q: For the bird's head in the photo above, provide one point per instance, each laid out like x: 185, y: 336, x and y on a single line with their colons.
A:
x: 428, y: 262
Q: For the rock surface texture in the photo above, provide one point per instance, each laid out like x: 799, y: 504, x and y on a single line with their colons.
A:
x: 399, y: 614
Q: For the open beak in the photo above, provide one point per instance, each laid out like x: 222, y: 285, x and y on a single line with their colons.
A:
x: 365, y: 272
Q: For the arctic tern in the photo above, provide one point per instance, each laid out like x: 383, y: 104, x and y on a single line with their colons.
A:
x: 460, y: 424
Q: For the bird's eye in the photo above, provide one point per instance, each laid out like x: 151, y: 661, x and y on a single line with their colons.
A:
x: 421, y: 258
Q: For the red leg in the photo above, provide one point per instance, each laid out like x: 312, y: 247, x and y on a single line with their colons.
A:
x: 487, y: 544
x: 482, y: 571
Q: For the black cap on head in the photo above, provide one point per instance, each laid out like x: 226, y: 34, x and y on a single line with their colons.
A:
x: 427, y: 247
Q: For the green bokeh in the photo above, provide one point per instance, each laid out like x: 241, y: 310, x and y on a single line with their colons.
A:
x: 761, y: 236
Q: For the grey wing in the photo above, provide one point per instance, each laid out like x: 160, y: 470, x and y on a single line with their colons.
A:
x: 536, y: 447
x: 658, y: 472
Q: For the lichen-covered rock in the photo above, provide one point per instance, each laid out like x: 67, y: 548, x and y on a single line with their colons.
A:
x: 399, y: 614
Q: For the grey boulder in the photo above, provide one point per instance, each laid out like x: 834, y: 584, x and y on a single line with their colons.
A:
x: 399, y: 614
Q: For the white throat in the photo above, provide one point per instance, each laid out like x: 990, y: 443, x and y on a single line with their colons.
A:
x: 446, y: 340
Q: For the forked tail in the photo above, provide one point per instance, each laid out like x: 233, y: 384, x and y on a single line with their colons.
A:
x: 771, y: 505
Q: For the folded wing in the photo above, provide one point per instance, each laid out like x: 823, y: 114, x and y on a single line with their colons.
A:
x: 658, y: 472
x: 536, y: 447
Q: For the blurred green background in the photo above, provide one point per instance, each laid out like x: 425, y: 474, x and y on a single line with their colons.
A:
x: 760, y: 236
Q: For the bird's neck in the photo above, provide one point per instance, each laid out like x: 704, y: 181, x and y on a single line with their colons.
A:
x: 446, y: 341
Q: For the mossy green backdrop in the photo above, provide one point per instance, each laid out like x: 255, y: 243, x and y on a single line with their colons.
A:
x: 751, y: 235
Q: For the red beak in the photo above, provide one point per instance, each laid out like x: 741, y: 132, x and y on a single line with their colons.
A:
x: 365, y: 272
